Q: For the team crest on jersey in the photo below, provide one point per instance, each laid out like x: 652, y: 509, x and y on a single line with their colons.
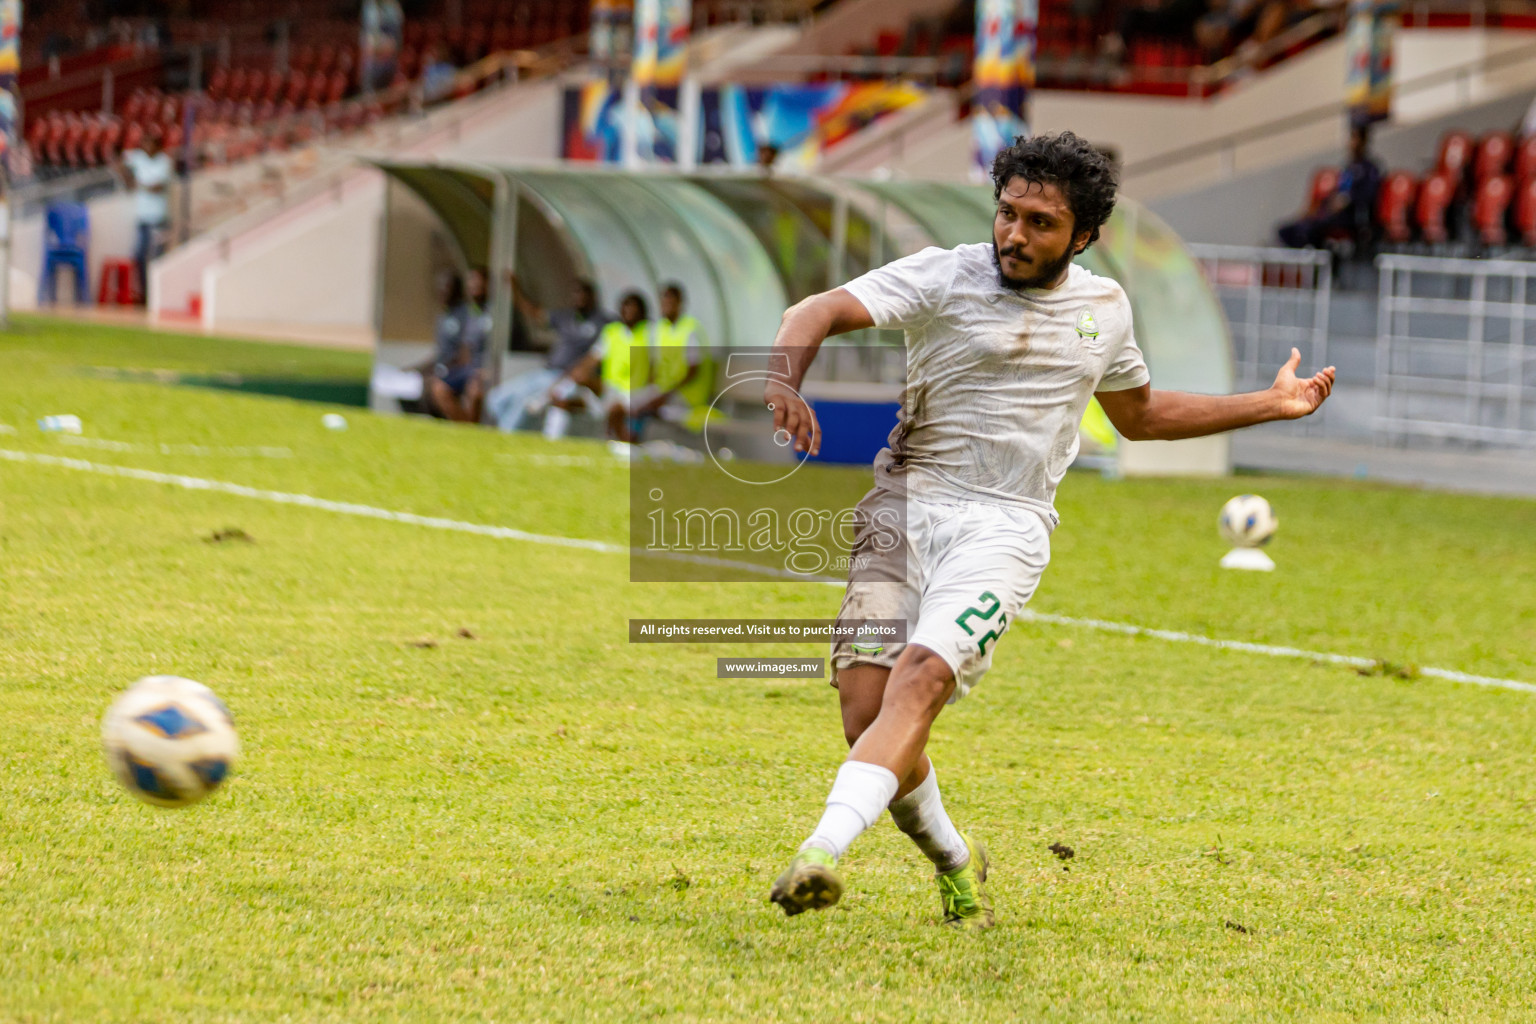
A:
x: 1087, y: 326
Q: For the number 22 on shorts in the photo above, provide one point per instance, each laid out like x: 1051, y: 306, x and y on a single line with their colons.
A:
x: 987, y: 606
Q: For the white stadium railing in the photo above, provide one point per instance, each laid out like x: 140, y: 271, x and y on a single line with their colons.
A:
x: 1453, y: 348
x: 1275, y: 300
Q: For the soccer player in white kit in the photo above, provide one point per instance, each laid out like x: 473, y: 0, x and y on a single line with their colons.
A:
x: 1006, y: 343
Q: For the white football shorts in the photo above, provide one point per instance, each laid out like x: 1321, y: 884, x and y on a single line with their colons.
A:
x: 969, y: 568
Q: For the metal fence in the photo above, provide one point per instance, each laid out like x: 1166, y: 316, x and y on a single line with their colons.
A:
x: 1275, y: 300
x: 1452, y: 358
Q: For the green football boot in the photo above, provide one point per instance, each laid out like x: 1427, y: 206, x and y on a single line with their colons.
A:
x: 809, y: 883
x: 965, y: 904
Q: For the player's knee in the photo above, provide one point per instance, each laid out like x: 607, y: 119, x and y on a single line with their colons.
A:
x: 856, y: 720
x: 922, y: 682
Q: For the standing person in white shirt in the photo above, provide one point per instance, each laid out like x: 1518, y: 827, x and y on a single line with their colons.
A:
x: 149, y: 171
x: 1006, y: 343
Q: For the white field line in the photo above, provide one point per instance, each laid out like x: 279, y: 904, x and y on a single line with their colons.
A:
x: 539, y: 459
x: 1270, y: 650
x: 193, y: 483
x: 228, y: 451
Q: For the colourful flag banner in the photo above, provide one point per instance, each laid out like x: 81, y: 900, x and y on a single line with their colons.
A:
x: 379, y: 42
x: 662, y: 28
x: 10, y: 89
x: 1368, y: 55
x: 609, y: 40
x: 1003, y: 72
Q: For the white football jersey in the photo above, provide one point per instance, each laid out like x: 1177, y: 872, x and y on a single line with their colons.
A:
x: 997, y: 379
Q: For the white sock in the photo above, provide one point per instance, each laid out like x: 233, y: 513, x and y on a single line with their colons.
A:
x: 859, y: 794
x: 556, y: 420
x: 920, y: 814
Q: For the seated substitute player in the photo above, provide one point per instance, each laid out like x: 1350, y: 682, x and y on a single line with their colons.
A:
x: 618, y: 364
x: 682, y: 375
x: 1006, y: 343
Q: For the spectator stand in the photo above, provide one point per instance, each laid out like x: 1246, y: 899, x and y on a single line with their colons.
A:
x: 1477, y: 198
x: 283, y: 80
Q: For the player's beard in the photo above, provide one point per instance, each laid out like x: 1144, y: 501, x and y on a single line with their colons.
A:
x: 1047, y: 276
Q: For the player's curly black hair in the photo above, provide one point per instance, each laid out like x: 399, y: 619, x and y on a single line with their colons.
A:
x: 1067, y: 161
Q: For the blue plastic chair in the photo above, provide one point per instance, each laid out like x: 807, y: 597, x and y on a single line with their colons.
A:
x: 65, y: 239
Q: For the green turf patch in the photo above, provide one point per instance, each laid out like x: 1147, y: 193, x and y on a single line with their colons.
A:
x: 538, y: 820
x: 38, y: 343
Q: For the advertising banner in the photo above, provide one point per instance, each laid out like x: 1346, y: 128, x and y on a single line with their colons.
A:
x: 800, y: 122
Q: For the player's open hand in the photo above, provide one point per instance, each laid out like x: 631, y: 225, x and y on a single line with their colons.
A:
x: 1300, y: 397
x: 792, y: 415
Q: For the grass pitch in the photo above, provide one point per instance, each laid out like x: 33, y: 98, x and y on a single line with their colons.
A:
x: 542, y: 822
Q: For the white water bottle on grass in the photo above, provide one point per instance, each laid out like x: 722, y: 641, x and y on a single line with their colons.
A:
x: 59, y: 425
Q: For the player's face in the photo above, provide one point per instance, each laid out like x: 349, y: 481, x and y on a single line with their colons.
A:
x: 671, y: 305
x: 1033, y: 235
x: 476, y: 286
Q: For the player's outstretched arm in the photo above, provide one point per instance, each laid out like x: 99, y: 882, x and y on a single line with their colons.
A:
x: 1142, y: 414
x: 805, y: 326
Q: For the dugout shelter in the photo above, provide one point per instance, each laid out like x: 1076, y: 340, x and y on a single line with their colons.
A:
x: 744, y: 246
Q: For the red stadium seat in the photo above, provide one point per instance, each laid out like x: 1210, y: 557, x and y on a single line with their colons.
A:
x: 1435, y: 198
x: 1325, y: 182
x: 1394, y: 206
x: 1525, y: 211
x: 1525, y: 158
x: 409, y: 64
x: 318, y: 84
x: 90, y: 143
x: 475, y: 42
x: 133, y: 136
x: 133, y: 105
x: 37, y: 131
x: 1455, y: 156
x: 1493, y: 155
x: 255, y: 87
x: 298, y: 87
x: 338, y: 87
x: 75, y: 137
x: 1490, y: 207
x: 111, y: 141
x: 218, y: 82
x: 239, y: 82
